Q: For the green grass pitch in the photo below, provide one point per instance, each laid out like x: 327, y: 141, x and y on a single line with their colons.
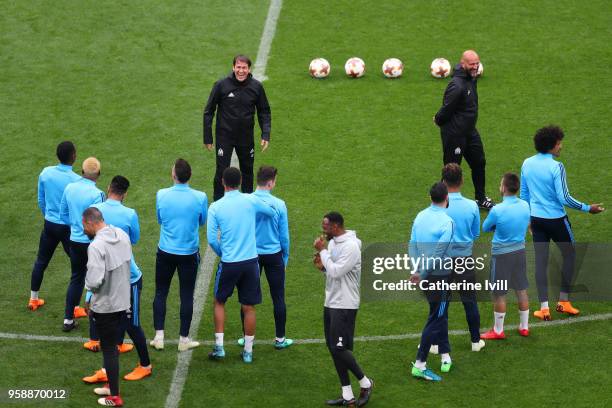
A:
x: 127, y: 82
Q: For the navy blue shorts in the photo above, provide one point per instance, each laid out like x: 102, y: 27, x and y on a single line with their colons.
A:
x: 243, y: 275
x: 510, y: 271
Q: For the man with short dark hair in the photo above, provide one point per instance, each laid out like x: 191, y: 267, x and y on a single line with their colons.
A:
x: 52, y: 182
x: 181, y: 210
x: 272, y: 235
x: 457, y: 121
x: 431, y: 237
x: 236, y: 97
x: 108, y: 278
x: 120, y: 216
x: 466, y: 218
x: 231, y: 234
x: 339, y: 258
x: 77, y: 197
x: 544, y: 187
x: 509, y: 220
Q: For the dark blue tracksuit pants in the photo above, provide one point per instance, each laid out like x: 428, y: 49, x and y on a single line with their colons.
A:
x: 51, y: 235
x: 78, y: 266
x: 165, y: 265
x: 436, y: 327
x: 558, y: 230
x: 470, y: 304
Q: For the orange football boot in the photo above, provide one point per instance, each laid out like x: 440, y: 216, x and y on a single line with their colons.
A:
x: 34, y: 304
x: 543, y: 314
x: 97, y: 377
x: 79, y: 312
x: 92, y: 345
x: 567, y: 308
x: 139, y: 373
x: 124, y: 347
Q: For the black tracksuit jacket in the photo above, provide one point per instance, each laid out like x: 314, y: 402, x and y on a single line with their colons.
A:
x: 459, y: 111
x: 236, y: 102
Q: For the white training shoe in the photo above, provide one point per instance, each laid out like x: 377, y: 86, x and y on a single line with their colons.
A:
x: 478, y: 346
x: 104, y: 391
x: 433, y: 349
x: 186, y: 345
x: 158, y: 344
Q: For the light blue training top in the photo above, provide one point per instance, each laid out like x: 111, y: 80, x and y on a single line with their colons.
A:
x: 181, y: 210
x: 115, y: 213
x: 510, y: 220
x: 52, y: 182
x: 466, y: 216
x: 77, y: 197
x: 272, y: 232
x: 432, y: 233
x: 234, y: 217
x: 544, y: 187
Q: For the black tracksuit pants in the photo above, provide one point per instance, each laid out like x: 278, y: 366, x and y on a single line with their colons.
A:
x: 108, y: 325
x: 455, y: 147
x: 339, y: 326
x: 246, y: 158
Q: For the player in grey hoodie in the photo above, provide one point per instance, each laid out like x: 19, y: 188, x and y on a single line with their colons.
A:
x: 340, y: 262
x: 108, y: 277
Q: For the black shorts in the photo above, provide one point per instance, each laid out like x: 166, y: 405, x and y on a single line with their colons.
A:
x: 509, y: 271
x: 243, y: 275
x: 339, y: 325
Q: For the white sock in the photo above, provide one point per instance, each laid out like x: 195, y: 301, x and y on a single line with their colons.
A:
x: 184, y: 339
x: 544, y: 305
x: 68, y: 321
x: 33, y: 294
x: 159, y: 335
x: 524, y: 315
x: 104, y: 370
x: 365, y: 382
x: 248, y: 343
x: 219, y: 339
x: 347, y: 392
x: 280, y: 339
x: 563, y: 297
x: 445, y: 357
x: 499, y: 322
x: 421, y: 365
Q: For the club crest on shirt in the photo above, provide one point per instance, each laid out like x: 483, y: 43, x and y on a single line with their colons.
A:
x: 339, y: 342
x: 231, y: 95
x: 220, y: 153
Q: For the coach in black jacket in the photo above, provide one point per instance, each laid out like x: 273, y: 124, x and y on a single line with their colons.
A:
x: 457, y: 120
x: 237, y: 96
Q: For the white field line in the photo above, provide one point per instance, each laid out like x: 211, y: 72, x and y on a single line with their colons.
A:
x: 259, y: 69
x: 406, y: 336
x: 206, y: 270
x: 199, y: 295
x: 184, y: 358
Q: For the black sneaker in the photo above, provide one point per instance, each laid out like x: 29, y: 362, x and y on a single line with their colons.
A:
x: 341, y: 402
x: 70, y: 326
x: 364, y: 394
x: 485, y: 203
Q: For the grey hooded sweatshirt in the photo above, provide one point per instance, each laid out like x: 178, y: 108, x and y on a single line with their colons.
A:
x: 108, y: 270
x: 342, y: 262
